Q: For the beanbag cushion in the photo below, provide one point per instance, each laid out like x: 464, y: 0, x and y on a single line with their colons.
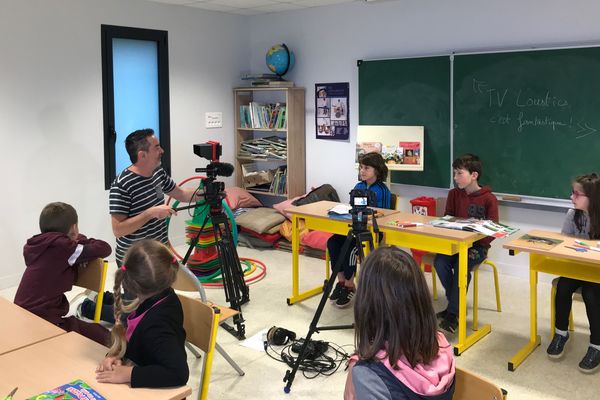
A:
x: 260, y: 220
x: 237, y: 197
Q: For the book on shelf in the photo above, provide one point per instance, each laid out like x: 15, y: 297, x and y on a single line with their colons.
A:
x: 248, y: 76
x: 279, y: 181
x: 483, y: 226
x: 76, y: 390
x: 269, y: 148
x: 263, y: 116
x: 272, y: 83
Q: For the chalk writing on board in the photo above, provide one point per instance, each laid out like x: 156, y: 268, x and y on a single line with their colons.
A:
x: 522, y: 109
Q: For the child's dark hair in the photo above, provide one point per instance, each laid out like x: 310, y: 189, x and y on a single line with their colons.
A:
x: 590, y: 184
x: 393, y: 310
x: 57, y: 217
x: 469, y: 162
x: 137, y: 141
x: 149, y: 268
x: 376, y: 161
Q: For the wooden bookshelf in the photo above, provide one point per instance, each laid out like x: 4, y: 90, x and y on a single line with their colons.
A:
x: 294, y: 135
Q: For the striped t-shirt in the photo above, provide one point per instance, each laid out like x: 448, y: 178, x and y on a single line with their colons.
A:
x: 130, y: 195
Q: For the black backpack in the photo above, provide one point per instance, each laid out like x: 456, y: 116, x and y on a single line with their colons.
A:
x: 323, y: 192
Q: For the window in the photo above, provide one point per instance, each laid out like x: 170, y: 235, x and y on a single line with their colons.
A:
x: 135, y: 85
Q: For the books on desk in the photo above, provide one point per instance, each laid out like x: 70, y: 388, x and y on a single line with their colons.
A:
x: 76, y: 390
x: 538, y: 242
x: 483, y: 226
x: 341, y: 211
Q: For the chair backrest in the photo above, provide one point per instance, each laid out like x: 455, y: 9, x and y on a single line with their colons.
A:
x: 186, y: 281
x: 201, y: 322
x: 470, y: 386
x: 199, y: 319
x: 92, y: 275
x: 394, y: 201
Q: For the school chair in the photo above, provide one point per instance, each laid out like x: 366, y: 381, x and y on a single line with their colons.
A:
x: 576, y: 296
x: 186, y: 281
x: 428, y: 259
x: 469, y: 386
x: 92, y: 277
x: 201, y: 323
x: 394, y: 201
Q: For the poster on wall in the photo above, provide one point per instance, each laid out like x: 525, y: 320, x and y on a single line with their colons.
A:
x: 400, y: 146
x: 332, y: 114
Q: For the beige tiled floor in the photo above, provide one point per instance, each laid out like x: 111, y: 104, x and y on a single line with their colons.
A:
x: 536, y: 378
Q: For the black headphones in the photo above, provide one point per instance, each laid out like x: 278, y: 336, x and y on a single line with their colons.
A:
x: 280, y: 336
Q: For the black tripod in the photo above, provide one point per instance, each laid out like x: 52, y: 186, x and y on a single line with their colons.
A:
x: 237, y: 292
x: 357, y: 236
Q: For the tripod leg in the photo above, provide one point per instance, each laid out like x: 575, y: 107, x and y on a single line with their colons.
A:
x: 236, y: 290
x: 291, y: 374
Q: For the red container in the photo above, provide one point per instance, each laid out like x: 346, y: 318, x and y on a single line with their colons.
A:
x: 423, y: 206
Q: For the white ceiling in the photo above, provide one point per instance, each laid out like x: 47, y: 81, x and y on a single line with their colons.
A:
x: 254, y: 7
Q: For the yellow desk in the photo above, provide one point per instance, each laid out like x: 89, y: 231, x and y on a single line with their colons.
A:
x: 62, y: 359
x: 557, y: 260
x: 315, y: 217
x: 22, y: 328
x: 442, y: 241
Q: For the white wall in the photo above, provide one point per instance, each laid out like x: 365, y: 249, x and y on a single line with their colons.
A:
x: 51, y: 104
x: 327, y: 42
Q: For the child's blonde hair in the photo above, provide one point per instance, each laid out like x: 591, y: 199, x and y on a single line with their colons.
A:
x: 393, y: 310
x: 149, y: 268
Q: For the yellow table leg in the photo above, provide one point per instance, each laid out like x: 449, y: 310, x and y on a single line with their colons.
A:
x: 465, y: 342
x: 534, y: 338
x: 296, y: 295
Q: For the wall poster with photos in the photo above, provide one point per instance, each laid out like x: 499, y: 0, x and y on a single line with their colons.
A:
x: 332, y: 112
x: 401, y: 146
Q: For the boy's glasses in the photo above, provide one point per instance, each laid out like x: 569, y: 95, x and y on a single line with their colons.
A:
x: 577, y: 194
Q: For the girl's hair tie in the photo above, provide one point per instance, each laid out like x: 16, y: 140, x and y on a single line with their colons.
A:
x: 175, y: 261
x: 123, y: 268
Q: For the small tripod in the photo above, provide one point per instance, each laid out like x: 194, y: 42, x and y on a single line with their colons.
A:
x: 237, y: 292
x: 357, y: 236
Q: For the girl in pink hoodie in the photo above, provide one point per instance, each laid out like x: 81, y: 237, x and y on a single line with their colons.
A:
x: 399, y: 352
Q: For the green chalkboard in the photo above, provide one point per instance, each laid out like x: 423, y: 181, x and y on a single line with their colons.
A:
x: 533, y: 117
x: 411, y: 91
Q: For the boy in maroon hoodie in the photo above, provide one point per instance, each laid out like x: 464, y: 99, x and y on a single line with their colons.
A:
x: 466, y: 200
x: 52, y: 258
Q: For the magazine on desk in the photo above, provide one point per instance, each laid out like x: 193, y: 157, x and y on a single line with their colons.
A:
x: 76, y: 390
x: 483, y: 226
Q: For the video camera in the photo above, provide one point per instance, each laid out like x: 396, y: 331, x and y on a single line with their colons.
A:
x: 361, y: 200
x: 212, y: 151
x: 214, y: 191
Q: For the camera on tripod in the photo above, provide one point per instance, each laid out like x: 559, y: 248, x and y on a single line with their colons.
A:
x: 362, y: 198
x: 214, y: 191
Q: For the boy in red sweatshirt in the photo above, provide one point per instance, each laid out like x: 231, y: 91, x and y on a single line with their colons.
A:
x: 466, y: 200
x: 52, y: 258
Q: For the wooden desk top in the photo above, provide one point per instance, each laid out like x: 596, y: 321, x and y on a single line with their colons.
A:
x: 560, y: 250
x: 22, y: 328
x: 320, y: 209
x: 62, y: 359
x: 388, y: 223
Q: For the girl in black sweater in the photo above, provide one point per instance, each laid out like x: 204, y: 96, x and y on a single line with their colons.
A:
x: 151, y: 351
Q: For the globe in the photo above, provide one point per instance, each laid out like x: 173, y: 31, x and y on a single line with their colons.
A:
x: 280, y: 59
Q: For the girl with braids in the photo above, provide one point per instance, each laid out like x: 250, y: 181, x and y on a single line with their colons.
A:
x: 150, y: 352
x: 400, y: 354
x: 582, y: 221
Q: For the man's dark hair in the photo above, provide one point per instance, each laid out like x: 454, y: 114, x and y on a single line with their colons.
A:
x: 57, y: 217
x: 469, y: 162
x: 137, y: 141
x: 376, y: 161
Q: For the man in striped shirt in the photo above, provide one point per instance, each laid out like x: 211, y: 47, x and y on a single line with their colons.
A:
x: 137, y: 195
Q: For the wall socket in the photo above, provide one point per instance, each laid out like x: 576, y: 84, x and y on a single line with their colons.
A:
x: 213, y: 120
